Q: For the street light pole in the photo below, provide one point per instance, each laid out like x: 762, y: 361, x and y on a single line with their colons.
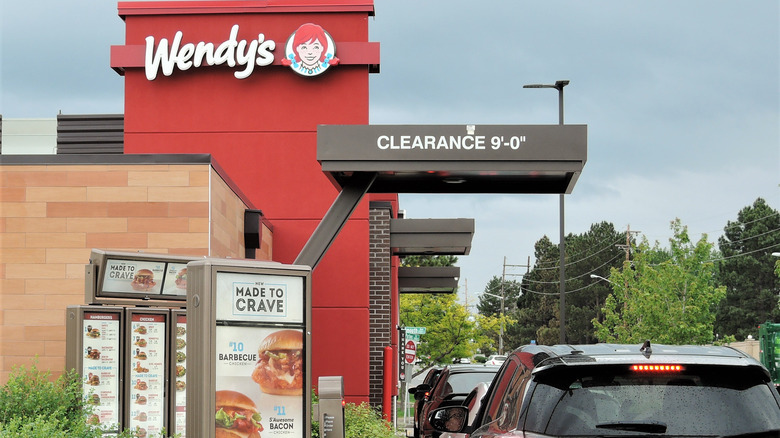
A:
x: 599, y: 277
x: 559, y: 86
x: 501, y: 332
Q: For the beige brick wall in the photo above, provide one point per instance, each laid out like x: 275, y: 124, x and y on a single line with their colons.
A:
x: 52, y: 216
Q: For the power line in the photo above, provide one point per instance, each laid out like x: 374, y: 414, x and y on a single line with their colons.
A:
x: 777, y: 245
x: 730, y: 242
x: 570, y: 263
x: 553, y: 264
x: 608, y: 262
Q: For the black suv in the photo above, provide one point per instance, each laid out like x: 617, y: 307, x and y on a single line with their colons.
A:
x: 623, y: 390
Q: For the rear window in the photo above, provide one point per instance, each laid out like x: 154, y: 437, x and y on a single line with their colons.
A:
x: 614, y: 400
x: 463, y: 383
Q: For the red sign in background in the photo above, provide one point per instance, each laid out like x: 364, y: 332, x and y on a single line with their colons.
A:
x: 411, y: 351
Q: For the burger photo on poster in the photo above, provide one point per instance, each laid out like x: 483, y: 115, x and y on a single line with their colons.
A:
x: 181, y: 279
x: 236, y: 416
x: 279, y: 369
x: 143, y: 280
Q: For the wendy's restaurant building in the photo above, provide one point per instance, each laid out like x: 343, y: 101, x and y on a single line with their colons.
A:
x: 245, y: 135
x: 215, y: 156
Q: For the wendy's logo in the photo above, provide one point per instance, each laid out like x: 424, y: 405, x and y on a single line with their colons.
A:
x: 310, y: 50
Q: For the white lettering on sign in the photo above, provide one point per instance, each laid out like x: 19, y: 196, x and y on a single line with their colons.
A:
x: 431, y: 142
x: 447, y: 142
x: 232, y: 52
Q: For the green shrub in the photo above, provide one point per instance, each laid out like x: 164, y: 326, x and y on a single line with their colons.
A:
x: 363, y: 421
x: 480, y: 358
x: 360, y: 421
x: 32, y: 405
x: 30, y: 396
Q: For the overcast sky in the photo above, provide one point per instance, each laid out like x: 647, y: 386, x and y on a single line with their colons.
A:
x: 681, y: 99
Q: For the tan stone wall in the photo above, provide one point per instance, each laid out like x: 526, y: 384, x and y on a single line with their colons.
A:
x: 749, y: 346
x: 52, y: 216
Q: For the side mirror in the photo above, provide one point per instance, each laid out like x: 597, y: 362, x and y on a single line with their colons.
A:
x: 450, y: 419
x: 421, y: 388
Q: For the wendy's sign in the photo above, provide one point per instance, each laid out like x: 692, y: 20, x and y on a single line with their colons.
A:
x: 309, y: 51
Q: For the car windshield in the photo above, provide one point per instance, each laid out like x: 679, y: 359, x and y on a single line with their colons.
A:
x: 463, y: 383
x: 614, y: 401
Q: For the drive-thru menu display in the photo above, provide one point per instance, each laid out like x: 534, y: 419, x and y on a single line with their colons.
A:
x: 133, y: 357
x: 256, y: 345
x: 179, y: 374
x: 116, y: 277
x: 101, y: 366
x: 147, y: 365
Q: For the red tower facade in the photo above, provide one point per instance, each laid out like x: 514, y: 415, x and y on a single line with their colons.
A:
x: 261, y: 129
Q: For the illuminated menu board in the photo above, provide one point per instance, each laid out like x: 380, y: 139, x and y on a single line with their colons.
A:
x: 100, y: 367
x: 147, y: 373
x: 180, y: 376
x: 142, y: 277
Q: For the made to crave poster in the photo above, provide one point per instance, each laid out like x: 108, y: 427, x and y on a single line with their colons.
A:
x: 260, y: 354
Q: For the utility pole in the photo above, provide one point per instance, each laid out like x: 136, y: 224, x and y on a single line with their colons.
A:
x: 466, y: 291
x: 501, y: 332
x: 503, y: 280
x: 627, y: 246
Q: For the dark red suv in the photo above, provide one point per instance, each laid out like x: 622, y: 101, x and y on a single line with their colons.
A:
x: 421, y: 393
x: 606, y: 390
x: 453, y: 385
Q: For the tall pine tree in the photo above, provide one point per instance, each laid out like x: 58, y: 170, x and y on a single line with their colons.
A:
x: 746, y: 270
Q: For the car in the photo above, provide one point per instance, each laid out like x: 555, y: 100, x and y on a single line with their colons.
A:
x: 472, y: 402
x: 452, y: 387
x: 421, y: 393
x: 496, y: 359
x: 606, y: 390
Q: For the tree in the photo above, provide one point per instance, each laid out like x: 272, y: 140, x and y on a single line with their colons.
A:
x: 747, y: 271
x: 594, y: 251
x: 667, y: 296
x: 492, y: 316
x: 449, y: 329
x: 537, y: 316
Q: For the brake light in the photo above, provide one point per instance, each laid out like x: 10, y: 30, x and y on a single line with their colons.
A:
x: 427, y: 393
x: 656, y: 368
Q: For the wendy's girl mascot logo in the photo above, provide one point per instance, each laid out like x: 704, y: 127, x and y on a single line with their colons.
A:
x: 310, y: 50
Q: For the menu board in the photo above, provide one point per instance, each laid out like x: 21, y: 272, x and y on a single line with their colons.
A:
x: 100, y: 332
x: 144, y: 277
x: 133, y: 276
x: 175, y: 279
x: 263, y: 366
x: 147, y: 373
x: 180, y: 376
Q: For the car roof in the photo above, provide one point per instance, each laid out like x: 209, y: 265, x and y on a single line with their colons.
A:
x: 573, y: 355
x: 471, y: 368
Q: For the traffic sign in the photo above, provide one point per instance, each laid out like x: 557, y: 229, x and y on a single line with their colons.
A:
x: 410, y: 353
x: 415, y: 330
